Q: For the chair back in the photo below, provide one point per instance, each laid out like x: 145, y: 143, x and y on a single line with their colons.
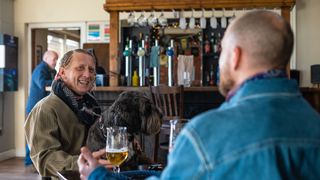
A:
x: 169, y: 99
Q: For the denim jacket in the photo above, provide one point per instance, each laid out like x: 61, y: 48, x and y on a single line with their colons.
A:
x: 265, y: 131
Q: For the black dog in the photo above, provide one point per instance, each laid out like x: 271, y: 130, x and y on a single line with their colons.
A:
x: 134, y: 110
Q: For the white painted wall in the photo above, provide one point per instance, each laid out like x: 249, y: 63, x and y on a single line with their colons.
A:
x: 7, y: 98
x: 43, y: 11
x: 308, y: 37
x: 62, y: 11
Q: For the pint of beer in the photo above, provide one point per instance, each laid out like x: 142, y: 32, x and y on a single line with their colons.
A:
x: 117, y: 146
x: 117, y: 156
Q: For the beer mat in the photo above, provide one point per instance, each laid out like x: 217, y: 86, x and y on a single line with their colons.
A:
x: 69, y: 175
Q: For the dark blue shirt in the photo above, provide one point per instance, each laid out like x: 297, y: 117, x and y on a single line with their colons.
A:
x: 42, y: 76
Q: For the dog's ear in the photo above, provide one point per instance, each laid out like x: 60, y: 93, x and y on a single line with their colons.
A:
x: 95, y: 139
x: 151, y: 124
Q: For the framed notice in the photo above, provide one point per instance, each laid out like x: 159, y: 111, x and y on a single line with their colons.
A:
x: 2, y: 56
x: 98, y: 32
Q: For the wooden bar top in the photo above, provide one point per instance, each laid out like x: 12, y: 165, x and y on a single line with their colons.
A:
x: 125, y: 88
x: 190, y: 89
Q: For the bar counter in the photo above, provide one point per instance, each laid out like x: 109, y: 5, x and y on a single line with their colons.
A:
x: 125, y: 88
x: 197, y: 99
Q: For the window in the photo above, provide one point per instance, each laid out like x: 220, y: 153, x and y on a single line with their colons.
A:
x: 61, y: 44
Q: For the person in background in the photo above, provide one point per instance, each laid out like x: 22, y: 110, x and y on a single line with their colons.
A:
x: 264, y: 130
x: 42, y: 76
x: 57, y: 126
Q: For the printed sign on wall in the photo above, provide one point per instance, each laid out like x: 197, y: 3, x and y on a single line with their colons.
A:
x: 98, y: 32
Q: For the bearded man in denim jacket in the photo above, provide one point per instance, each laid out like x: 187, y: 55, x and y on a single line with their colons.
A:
x: 264, y: 130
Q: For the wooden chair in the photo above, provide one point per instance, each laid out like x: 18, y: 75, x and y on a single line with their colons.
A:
x: 170, y: 101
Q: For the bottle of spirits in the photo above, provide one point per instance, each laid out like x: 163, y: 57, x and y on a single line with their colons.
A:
x: 147, y: 76
x: 213, y: 43
x: 218, y: 76
x: 218, y: 42
x: 212, y: 78
x: 135, y: 79
x: 127, y: 41
x: 206, y: 45
x: 207, y: 78
x: 146, y: 44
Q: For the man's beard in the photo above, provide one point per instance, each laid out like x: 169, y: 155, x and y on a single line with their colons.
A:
x: 226, y: 82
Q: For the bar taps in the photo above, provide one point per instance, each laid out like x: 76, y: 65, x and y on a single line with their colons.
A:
x: 156, y: 67
x: 170, y: 68
x: 141, y: 53
x: 128, y: 63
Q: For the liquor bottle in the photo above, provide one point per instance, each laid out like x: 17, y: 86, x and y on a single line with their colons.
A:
x: 146, y: 44
x: 207, y: 79
x: 147, y: 76
x: 140, y: 39
x: 218, y: 76
x: 135, y: 79
x: 127, y: 41
x: 218, y: 42
x: 206, y: 45
x: 212, y: 79
x: 213, y: 43
x: 151, y: 78
x: 135, y: 46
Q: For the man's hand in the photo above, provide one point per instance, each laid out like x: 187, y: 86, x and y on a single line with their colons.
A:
x: 100, y: 156
x: 87, y: 163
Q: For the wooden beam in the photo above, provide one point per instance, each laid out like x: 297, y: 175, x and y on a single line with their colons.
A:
x: 285, y: 13
x: 148, y: 5
x: 113, y: 48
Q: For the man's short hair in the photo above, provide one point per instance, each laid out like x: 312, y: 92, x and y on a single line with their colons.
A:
x: 266, y: 36
x: 66, y: 59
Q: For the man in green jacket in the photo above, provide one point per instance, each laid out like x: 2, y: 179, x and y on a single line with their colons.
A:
x: 57, y: 126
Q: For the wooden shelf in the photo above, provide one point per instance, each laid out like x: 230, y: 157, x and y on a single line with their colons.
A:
x: 145, y: 5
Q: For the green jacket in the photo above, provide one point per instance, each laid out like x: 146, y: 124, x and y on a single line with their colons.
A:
x: 54, y: 135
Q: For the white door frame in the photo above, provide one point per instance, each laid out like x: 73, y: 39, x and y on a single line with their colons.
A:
x: 81, y: 25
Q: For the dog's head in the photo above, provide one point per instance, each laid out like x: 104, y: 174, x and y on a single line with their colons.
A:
x: 135, y: 110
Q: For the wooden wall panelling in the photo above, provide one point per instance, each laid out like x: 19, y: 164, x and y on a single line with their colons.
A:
x: 102, y: 52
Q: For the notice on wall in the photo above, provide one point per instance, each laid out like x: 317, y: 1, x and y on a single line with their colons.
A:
x: 106, y: 33
x: 2, y: 56
x: 98, y: 32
